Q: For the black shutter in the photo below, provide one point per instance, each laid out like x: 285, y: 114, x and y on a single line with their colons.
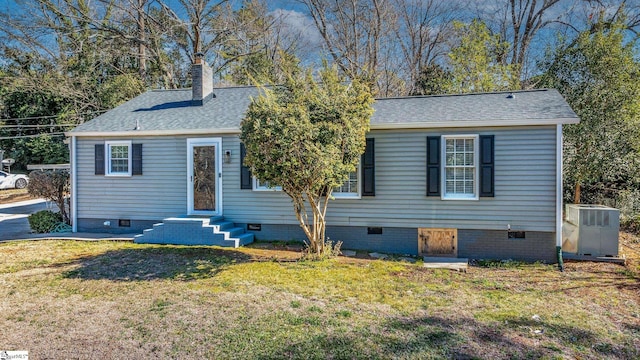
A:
x: 246, y: 181
x: 136, y: 159
x: 487, y: 168
x: 99, y: 159
x: 433, y: 165
x: 368, y: 164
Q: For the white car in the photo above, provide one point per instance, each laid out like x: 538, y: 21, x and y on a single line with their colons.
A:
x: 13, y: 181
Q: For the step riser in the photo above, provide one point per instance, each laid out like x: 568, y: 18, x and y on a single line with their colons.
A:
x: 222, y: 226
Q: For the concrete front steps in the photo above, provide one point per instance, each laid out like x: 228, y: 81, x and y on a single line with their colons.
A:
x: 195, y: 231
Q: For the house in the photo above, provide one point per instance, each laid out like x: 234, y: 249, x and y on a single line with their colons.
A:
x: 476, y: 175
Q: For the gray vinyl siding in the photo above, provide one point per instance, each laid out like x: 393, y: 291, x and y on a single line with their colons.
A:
x: 525, y: 172
x: 160, y: 192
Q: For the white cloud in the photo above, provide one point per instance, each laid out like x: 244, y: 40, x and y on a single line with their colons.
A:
x: 299, y: 25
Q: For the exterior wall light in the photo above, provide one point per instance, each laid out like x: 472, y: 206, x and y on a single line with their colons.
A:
x: 227, y: 157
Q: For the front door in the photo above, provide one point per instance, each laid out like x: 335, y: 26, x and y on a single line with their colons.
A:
x: 204, y: 176
x: 438, y: 242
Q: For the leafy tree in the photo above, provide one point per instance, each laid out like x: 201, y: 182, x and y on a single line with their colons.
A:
x: 54, y: 82
x: 307, y: 136
x: 42, y: 149
x: 475, y: 60
x: 29, y: 114
x: 433, y: 80
x: 118, y: 89
x: 52, y: 185
x: 599, y: 77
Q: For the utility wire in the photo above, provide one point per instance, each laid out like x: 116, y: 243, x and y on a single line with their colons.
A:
x: 35, y: 126
x: 19, y: 132
x: 52, y: 116
x: 29, y: 136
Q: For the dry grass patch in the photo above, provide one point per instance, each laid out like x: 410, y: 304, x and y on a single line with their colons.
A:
x: 104, y: 299
x: 13, y: 195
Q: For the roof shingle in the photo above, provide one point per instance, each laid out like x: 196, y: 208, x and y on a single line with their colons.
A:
x: 171, y: 110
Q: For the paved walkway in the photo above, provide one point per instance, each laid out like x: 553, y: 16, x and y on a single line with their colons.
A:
x: 458, y: 264
x: 72, y: 236
x: 14, y: 224
x: 13, y: 217
x: 21, y: 204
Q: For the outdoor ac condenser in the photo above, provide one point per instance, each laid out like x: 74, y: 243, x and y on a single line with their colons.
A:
x: 591, y: 230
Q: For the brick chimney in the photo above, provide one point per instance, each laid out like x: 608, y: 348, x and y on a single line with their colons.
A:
x: 202, y: 81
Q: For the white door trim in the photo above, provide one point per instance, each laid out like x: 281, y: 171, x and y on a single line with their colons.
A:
x: 217, y: 142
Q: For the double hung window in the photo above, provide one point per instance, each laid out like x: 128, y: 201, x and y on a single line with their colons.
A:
x: 350, y: 188
x: 118, y: 158
x: 460, y: 159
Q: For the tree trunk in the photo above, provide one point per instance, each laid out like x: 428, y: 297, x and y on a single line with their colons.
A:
x: 142, y: 36
x: 576, y: 197
x: 61, y: 201
x: 316, y: 230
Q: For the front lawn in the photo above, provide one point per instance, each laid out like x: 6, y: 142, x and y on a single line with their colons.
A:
x: 102, y: 300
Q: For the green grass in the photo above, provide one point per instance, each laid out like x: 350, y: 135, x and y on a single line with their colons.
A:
x: 71, y: 299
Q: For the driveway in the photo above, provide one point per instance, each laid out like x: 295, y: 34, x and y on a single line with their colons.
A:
x: 13, y: 217
x: 14, y: 224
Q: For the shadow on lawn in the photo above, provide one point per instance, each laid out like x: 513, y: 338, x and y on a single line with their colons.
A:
x: 188, y: 263
x: 515, y: 338
x: 461, y: 338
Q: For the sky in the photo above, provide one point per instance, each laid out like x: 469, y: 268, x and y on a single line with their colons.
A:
x: 293, y: 13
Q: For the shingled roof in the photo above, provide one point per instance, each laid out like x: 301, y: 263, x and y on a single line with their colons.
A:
x: 166, y: 112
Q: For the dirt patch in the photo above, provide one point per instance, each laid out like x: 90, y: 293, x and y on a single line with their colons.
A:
x: 14, y: 195
x: 630, y: 249
x: 286, y: 252
x: 275, y: 251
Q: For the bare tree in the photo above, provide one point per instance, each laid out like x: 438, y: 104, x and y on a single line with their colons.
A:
x: 152, y: 38
x: 527, y: 18
x: 354, y: 32
x: 608, y: 12
x: 420, y: 32
x: 260, y: 45
x: 521, y: 21
x: 141, y: 24
x: 205, y: 27
x: 55, y: 43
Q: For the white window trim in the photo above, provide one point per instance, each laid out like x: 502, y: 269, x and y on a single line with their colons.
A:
x: 107, y: 158
x: 352, y: 195
x: 217, y: 142
x: 443, y: 158
x: 256, y: 187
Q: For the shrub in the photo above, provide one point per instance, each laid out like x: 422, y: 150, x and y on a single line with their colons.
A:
x: 328, y: 251
x: 630, y: 223
x: 52, y: 185
x: 44, y: 221
x: 493, y: 263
